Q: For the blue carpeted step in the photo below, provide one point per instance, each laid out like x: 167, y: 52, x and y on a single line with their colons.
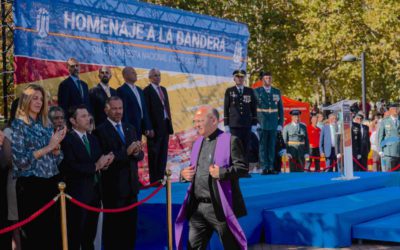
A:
x: 328, y: 222
x: 383, y: 229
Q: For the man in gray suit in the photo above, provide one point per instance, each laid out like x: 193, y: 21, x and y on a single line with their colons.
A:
x: 329, y: 142
x: 389, y: 139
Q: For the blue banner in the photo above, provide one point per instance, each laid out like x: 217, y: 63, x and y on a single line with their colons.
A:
x: 120, y: 33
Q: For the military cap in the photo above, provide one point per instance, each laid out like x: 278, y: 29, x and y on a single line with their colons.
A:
x: 360, y: 115
x: 265, y: 73
x: 239, y: 72
x: 393, y: 105
x: 295, y: 112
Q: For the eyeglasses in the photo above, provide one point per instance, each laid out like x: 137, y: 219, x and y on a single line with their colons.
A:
x: 197, y: 121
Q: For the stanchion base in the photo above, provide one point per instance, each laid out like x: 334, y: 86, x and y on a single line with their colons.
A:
x: 344, y: 178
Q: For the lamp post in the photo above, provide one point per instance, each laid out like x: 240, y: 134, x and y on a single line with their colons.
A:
x: 352, y: 58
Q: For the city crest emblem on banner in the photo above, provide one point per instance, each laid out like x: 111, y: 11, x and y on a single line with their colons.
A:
x: 237, y: 55
x: 42, y: 22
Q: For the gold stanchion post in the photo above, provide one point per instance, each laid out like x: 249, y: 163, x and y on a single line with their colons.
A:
x: 169, y: 208
x: 61, y: 187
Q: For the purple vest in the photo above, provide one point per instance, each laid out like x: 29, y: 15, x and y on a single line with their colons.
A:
x: 221, y: 158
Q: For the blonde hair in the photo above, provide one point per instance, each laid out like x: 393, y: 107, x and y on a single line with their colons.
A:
x: 25, y: 101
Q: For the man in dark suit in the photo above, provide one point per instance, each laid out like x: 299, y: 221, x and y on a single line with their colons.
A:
x: 73, y: 91
x: 157, y: 102
x: 216, y: 163
x: 99, y: 94
x: 361, y: 144
x: 82, y: 159
x: 136, y: 112
x: 240, y: 110
x: 119, y: 181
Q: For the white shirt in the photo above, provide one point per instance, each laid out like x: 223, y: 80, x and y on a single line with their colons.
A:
x: 115, y: 125
x: 333, y: 134
x: 155, y: 87
x: 135, y: 91
x: 267, y: 89
x: 80, y: 134
x: 106, y: 89
x: 240, y: 88
x: 395, y: 120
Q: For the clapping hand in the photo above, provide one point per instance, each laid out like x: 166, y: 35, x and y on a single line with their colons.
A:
x: 57, y: 137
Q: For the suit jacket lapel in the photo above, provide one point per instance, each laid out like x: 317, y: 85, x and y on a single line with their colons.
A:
x: 156, y: 95
x: 83, y: 147
x: 128, y: 133
x: 113, y: 131
x: 103, y: 92
x: 133, y: 96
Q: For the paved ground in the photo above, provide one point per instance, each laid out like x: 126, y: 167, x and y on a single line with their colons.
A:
x: 366, y: 245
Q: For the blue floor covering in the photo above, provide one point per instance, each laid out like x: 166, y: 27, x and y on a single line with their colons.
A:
x: 261, y: 193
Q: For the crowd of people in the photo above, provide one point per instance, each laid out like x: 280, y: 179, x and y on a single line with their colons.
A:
x: 93, y: 141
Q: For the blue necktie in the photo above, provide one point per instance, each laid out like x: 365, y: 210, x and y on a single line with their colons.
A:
x: 119, y: 130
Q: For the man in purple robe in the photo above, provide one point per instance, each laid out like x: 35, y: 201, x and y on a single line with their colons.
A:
x: 214, y: 200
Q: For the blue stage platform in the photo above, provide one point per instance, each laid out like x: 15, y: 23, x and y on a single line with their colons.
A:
x: 383, y: 229
x: 264, y: 194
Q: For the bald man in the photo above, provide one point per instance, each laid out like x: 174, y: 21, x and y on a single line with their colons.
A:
x: 216, y: 163
x: 73, y: 91
x: 135, y: 107
x: 100, y: 93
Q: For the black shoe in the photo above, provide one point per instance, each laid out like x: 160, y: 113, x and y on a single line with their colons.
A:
x: 266, y: 172
x: 274, y: 172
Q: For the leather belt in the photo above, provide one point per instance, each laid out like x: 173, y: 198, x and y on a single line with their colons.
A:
x: 267, y: 110
x: 296, y: 143
x: 203, y: 200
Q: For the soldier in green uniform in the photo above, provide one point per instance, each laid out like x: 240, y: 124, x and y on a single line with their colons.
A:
x: 389, y: 139
x: 270, y: 116
x: 297, y: 144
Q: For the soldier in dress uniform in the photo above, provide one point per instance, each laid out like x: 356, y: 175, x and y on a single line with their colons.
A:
x: 240, y: 111
x: 389, y: 139
x: 361, y: 144
x: 270, y: 116
x: 297, y: 144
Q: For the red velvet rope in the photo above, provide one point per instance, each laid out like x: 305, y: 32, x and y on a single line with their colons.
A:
x: 114, y: 210
x: 30, y: 218
x: 359, y: 164
x: 395, y: 168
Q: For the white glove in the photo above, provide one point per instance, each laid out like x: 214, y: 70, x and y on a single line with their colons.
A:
x: 282, y: 152
x: 289, y: 156
x: 254, y: 129
x: 256, y: 133
x: 279, y: 128
x: 358, y: 157
x: 226, y: 128
x: 338, y: 156
x: 381, y: 154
